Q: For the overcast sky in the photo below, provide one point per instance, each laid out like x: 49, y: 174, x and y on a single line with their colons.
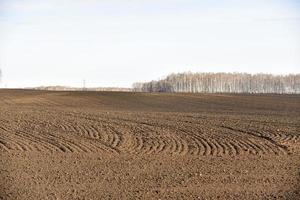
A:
x: 118, y: 42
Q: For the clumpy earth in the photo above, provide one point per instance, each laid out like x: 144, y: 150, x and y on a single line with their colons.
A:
x: 122, y: 145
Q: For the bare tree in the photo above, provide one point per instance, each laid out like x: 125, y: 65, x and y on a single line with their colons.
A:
x: 223, y: 82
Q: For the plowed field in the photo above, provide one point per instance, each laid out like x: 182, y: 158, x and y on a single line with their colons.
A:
x: 119, y: 145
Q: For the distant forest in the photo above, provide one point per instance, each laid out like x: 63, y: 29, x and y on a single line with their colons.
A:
x: 223, y: 83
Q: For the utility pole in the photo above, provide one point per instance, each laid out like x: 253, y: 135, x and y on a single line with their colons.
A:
x: 83, y: 85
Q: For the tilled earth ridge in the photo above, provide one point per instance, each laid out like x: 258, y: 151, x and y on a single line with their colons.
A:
x: 114, y: 145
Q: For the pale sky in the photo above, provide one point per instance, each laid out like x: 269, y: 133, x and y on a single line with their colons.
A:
x: 118, y: 42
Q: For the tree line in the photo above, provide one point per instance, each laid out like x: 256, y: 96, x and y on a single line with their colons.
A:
x: 223, y: 83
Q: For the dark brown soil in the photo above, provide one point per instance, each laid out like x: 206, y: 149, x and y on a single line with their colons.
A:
x: 118, y: 145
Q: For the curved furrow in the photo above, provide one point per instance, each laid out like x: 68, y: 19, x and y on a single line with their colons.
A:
x: 179, y: 146
x: 88, y: 147
x: 263, y: 136
x: 202, y: 147
x: 65, y: 145
x: 20, y: 142
x: 117, y: 140
x: 276, y: 136
x: 281, y: 138
x: 75, y: 129
x: 67, y: 127
x: 110, y: 138
x: 185, y: 146
x: 80, y: 146
x: 234, y: 147
x: 269, y: 147
x: 214, y: 149
x: 89, y: 130
x: 173, y: 145
x: 287, y: 138
x: 93, y: 145
x: 150, y: 144
x: 248, y: 148
x: 51, y: 142
x: 155, y: 146
x: 207, y: 147
x: 162, y: 146
x: 253, y: 149
x: 42, y: 140
x: 261, y: 149
x: 106, y: 137
x: 103, y: 147
x: 139, y: 144
x: 71, y: 127
x: 194, y: 148
x: 149, y: 147
x: 21, y: 145
x: 63, y: 127
x: 91, y: 133
x: 116, y: 137
x: 38, y: 142
x: 167, y: 145
x: 142, y: 144
x: 197, y: 147
x: 86, y: 130
x: 225, y: 149
x: 134, y: 141
x: 242, y: 147
x: 95, y: 132
x: 10, y: 143
x: 4, y: 145
x: 219, y: 149
x: 79, y: 130
x: 276, y: 149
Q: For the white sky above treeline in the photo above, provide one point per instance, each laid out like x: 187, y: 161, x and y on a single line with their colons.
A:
x: 118, y: 42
